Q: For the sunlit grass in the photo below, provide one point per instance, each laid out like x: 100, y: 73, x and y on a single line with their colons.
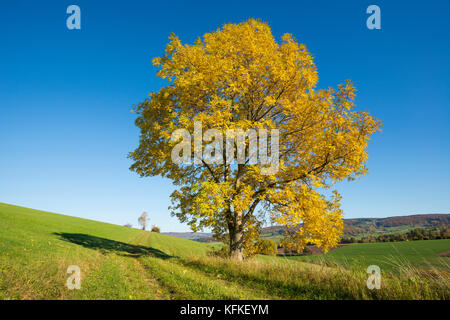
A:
x: 121, y: 263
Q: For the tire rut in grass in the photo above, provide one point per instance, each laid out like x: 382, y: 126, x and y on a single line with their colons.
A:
x: 275, y: 288
x: 188, y: 283
x: 160, y: 293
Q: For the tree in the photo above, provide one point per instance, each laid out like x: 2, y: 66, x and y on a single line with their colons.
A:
x: 267, y: 247
x: 156, y: 229
x: 240, y: 78
x: 142, y: 220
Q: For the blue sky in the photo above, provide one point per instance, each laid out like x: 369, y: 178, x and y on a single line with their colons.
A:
x: 66, y: 96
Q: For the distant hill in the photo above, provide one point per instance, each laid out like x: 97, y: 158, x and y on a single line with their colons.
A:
x: 391, y: 224
x: 189, y: 235
x: 375, y: 226
x: 352, y: 227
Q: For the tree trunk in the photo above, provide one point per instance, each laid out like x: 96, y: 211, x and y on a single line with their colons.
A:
x: 235, y: 229
x: 236, y: 245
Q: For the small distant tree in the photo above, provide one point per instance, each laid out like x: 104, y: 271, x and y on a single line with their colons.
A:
x: 128, y: 225
x: 267, y: 247
x: 142, y: 220
x: 156, y: 229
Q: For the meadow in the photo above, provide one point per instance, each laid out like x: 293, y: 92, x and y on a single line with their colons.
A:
x: 116, y: 262
x: 391, y: 256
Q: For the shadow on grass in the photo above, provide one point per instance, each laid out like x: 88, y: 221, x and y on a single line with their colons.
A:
x: 107, y: 245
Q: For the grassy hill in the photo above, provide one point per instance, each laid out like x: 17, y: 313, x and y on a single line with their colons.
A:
x: 36, y: 248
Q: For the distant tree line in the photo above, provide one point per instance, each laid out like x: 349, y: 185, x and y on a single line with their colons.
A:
x: 413, y: 234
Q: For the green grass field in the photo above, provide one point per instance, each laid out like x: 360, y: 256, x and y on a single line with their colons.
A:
x: 389, y: 255
x: 116, y: 262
